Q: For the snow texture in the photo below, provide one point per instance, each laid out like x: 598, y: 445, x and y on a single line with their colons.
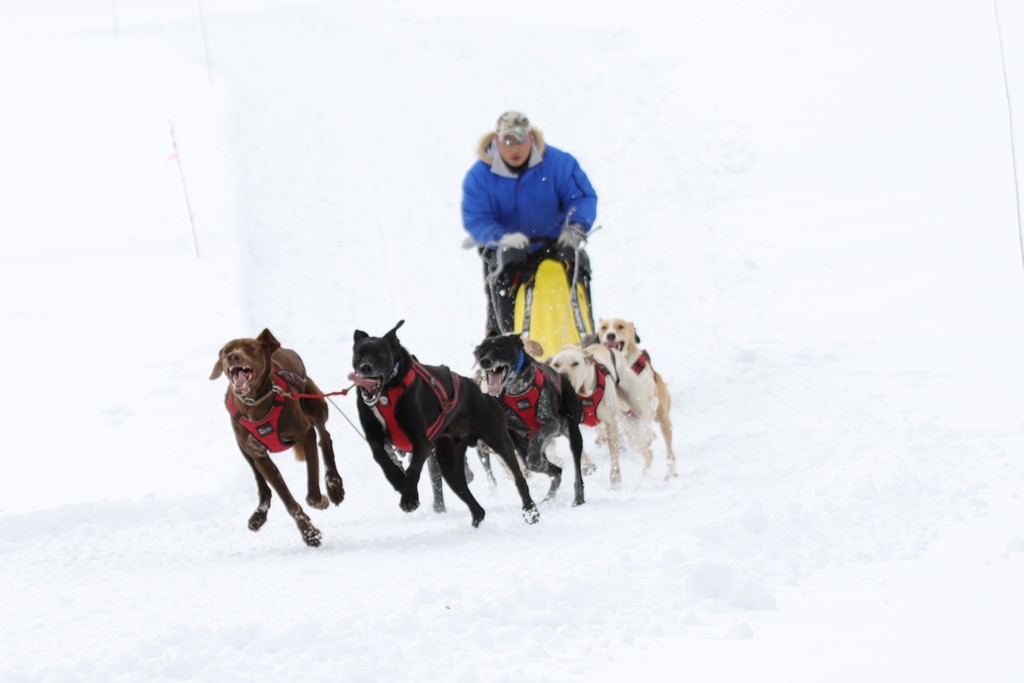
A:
x: 808, y: 209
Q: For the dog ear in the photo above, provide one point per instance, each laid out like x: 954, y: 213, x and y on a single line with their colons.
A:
x: 393, y: 330
x: 268, y: 340
x: 636, y: 337
x: 359, y: 335
x: 217, y: 370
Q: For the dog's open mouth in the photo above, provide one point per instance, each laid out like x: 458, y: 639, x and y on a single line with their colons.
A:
x: 615, y: 345
x: 241, y: 379
x: 370, y: 388
x: 496, y: 376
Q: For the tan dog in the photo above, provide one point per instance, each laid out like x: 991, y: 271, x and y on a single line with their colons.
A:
x: 644, y: 389
x: 592, y: 374
x: 266, y: 418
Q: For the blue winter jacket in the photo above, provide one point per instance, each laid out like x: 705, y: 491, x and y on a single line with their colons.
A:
x: 496, y: 202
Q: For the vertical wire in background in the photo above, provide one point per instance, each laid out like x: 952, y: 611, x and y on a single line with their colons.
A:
x: 206, y: 45
x: 1013, y: 144
x: 184, y: 189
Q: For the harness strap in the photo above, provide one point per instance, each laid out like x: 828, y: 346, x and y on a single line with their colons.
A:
x: 265, y: 430
x: 399, y: 439
x: 524, y: 404
x: 447, y: 402
x: 642, y: 362
x: 592, y: 400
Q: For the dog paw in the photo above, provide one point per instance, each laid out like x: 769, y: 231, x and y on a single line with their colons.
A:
x: 588, y: 468
x: 335, y: 490
x: 578, y: 500
x: 531, y: 515
x: 477, y: 518
x: 616, y: 479
x: 311, y: 535
x: 409, y: 504
x: 439, y: 506
x: 319, y: 502
x: 258, y: 519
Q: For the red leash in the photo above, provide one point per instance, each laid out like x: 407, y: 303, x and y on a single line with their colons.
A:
x: 343, y: 392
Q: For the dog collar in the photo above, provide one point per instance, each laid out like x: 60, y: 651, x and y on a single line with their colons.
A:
x: 394, y: 373
x: 519, y: 366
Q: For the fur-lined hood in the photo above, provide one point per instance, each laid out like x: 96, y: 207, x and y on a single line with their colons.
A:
x: 483, y: 150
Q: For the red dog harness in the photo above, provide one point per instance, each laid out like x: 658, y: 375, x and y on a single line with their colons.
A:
x: 525, y: 404
x: 641, y: 362
x: 385, y: 406
x: 591, y: 401
x: 266, y: 430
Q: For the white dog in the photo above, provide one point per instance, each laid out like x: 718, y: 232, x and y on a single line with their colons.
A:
x: 592, y: 375
x: 644, y: 389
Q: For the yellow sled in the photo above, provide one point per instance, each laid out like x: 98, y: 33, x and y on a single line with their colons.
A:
x: 544, y: 310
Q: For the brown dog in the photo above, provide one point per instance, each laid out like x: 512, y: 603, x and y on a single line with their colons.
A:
x: 644, y: 389
x: 267, y: 418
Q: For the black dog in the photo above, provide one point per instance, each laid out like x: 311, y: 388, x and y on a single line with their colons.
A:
x: 539, y: 403
x: 417, y: 408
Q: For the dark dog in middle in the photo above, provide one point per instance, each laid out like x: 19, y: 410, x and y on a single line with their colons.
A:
x: 540, y: 404
x: 424, y: 409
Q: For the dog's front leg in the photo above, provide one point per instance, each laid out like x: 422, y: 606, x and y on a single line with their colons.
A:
x: 537, y: 461
x: 307, y: 446
x: 614, y: 448
x: 392, y: 472
x: 411, y: 494
x: 576, y: 445
x: 266, y: 467
x: 259, y: 517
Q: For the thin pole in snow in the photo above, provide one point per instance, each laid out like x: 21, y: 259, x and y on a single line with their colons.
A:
x: 184, y: 189
x: 1013, y: 145
x: 206, y: 44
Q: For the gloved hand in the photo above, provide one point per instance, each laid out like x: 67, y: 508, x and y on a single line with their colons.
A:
x: 514, y: 240
x: 572, y: 235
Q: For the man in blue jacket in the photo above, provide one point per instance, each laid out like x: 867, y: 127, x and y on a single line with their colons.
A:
x: 523, y: 199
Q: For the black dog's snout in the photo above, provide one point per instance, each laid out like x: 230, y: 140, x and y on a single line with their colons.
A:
x: 365, y: 369
x: 486, y: 363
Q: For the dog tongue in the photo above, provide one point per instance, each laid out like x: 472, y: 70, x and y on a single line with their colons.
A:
x: 364, y: 382
x: 495, y: 380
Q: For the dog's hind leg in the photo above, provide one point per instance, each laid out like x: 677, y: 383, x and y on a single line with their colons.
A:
x: 434, y: 470
x: 538, y: 461
x: 665, y: 422
x: 484, y: 452
x: 332, y: 478
x: 451, y: 457
x: 259, y: 517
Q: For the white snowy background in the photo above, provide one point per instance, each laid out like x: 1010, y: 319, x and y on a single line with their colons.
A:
x: 808, y: 209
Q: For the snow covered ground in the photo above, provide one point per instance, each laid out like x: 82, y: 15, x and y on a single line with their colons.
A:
x: 808, y: 209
